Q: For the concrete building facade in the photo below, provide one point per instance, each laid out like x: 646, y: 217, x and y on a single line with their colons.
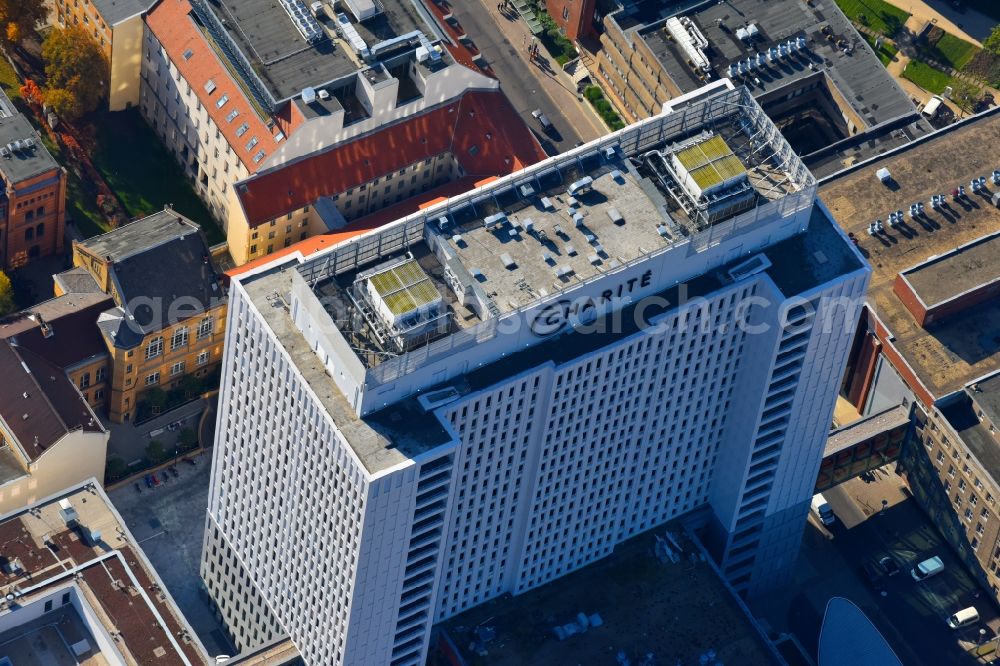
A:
x: 117, y: 26
x: 577, y: 353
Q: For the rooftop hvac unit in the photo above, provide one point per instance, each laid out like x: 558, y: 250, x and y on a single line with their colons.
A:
x: 4, y: 152
x: 581, y: 186
x: 29, y: 143
x: 615, y: 216
x: 67, y: 511
x: 309, y: 95
x: 547, y: 204
x: 361, y: 9
x: 508, y: 261
x: 323, y: 94
x: 495, y: 220
x: 578, y: 219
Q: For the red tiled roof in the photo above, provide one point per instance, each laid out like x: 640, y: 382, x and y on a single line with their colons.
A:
x: 171, y: 23
x: 364, y: 224
x: 464, y: 52
x: 481, y: 129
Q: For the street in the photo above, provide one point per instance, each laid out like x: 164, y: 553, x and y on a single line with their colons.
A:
x: 909, y: 614
x: 528, y: 87
x: 168, y: 521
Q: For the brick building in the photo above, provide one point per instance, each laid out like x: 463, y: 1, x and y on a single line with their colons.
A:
x: 33, y: 199
x: 574, y: 17
x: 928, y: 336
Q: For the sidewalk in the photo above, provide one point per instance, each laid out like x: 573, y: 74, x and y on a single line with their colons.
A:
x: 556, y: 83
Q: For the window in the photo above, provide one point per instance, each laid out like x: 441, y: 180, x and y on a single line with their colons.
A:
x: 153, y: 379
x: 180, y: 338
x: 210, y: 86
x: 222, y: 101
x: 205, y: 328
x: 155, y: 348
x: 203, y: 358
x: 232, y: 115
x: 251, y: 143
x: 242, y: 129
x: 188, y: 53
x: 98, y: 395
x: 102, y: 375
x: 177, y: 368
x: 259, y: 156
x: 85, y: 380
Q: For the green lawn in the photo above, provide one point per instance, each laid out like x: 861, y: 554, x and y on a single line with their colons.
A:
x: 951, y: 50
x: 877, y: 15
x: 142, y: 173
x: 925, y: 76
x: 8, y: 80
x: 886, y: 53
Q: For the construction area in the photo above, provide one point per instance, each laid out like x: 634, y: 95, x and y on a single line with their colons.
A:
x: 637, y: 607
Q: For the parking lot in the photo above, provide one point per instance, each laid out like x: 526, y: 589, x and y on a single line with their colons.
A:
x: 168, y: 521
x: 911, y: 615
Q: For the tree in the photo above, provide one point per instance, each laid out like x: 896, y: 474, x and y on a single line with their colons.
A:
x: 992, y: 43
x: 155, y: 452
x: 115, y: 468
x: 63, y: 103
x: 188, y: 438
x: 75, y: 65
x: 21, y: 18
x: 965, y: 95
x: 31, y: 92
x: 7, y: 304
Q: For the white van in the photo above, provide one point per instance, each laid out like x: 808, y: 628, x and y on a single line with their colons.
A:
x: 932, y: 106
x: 964, y: 618
x: 929, y: 567
x: 822, y: 509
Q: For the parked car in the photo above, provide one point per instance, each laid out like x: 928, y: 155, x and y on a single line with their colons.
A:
x: 964, y: 618
x: 932, y: 566
x: 823, y: 510
x: 149, y: 480
x: 542, y: 119
x: 889, y: 565
x: 156, y: 480
x: 872, y: 574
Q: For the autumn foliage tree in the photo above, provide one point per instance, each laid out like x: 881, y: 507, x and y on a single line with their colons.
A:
x: 7, y: 304
x: 31, y: 92
x: 20, y: 18
x: 76, y: 70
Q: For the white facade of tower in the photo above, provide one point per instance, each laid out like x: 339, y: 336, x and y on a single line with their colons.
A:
x: 353, y: 526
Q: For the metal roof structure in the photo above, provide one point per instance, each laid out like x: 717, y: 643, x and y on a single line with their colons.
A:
x: 711, y: 163
x: 404, y: 288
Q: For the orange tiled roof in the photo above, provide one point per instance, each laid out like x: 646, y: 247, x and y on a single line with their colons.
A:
x: 170, y: 21
x: 481, y: 129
